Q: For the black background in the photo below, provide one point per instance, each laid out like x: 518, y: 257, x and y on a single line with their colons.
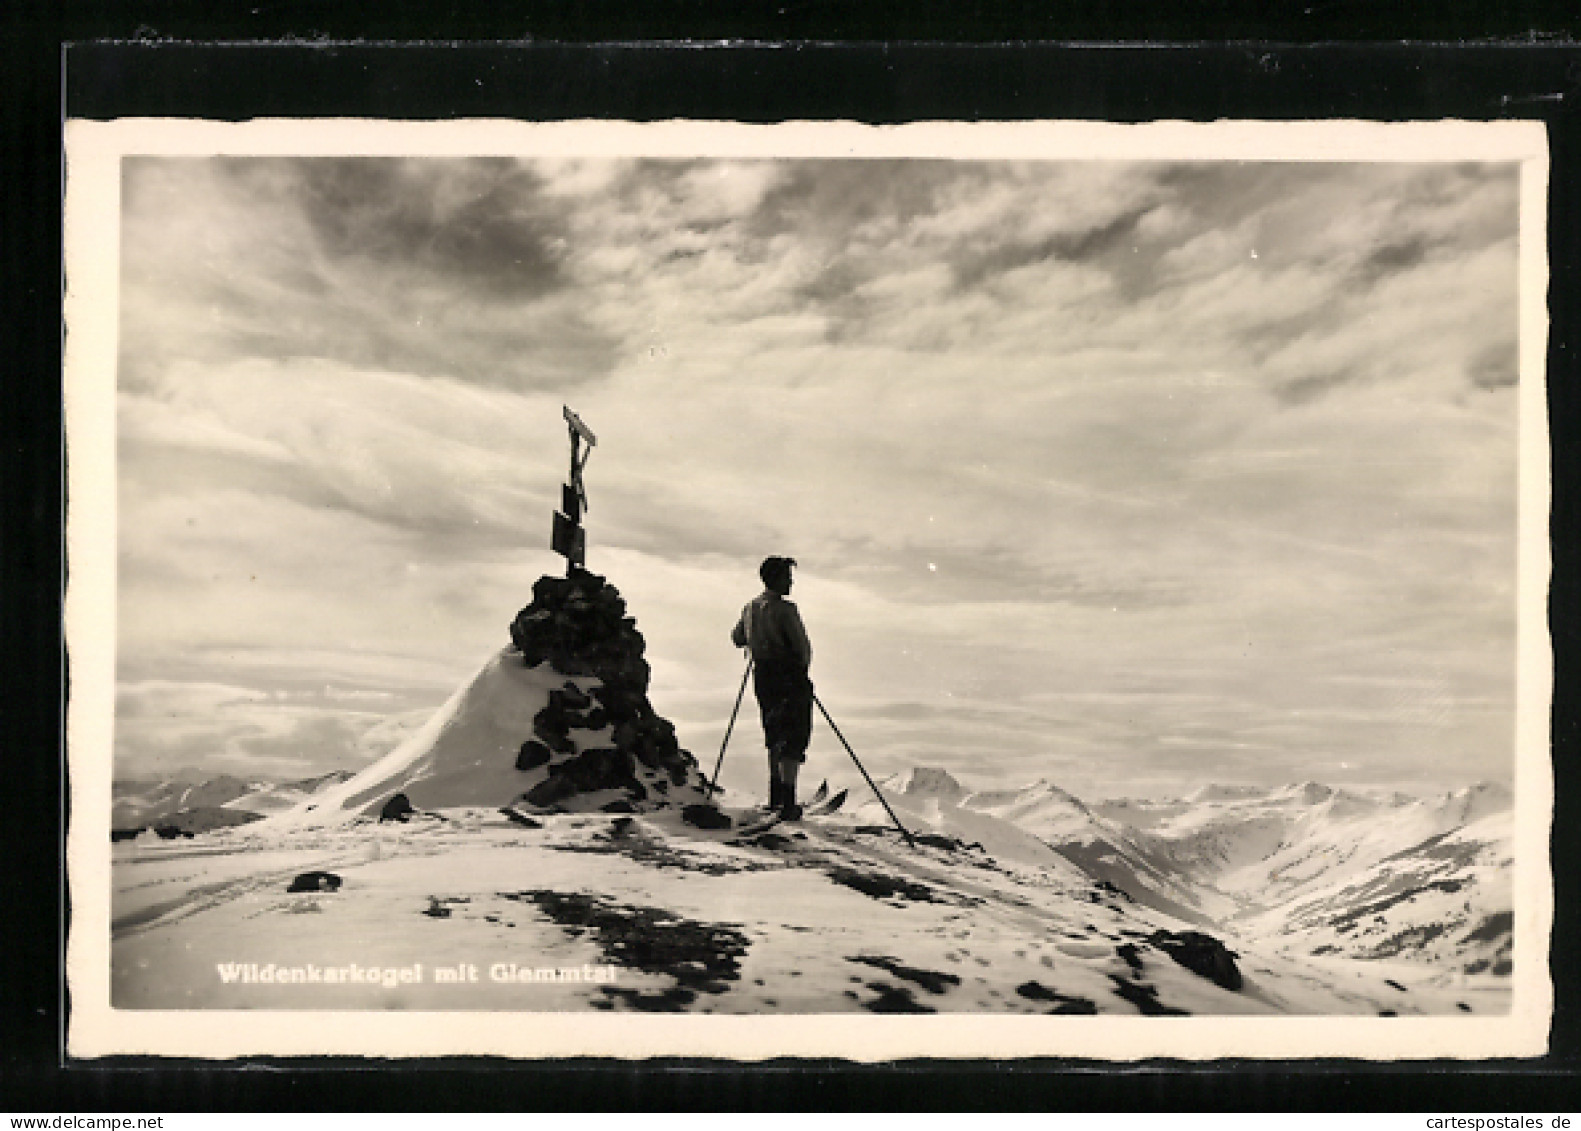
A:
x: 879, y: 61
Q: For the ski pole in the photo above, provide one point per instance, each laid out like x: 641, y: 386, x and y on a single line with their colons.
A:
x: 714, y: 784
x: 903, y: 831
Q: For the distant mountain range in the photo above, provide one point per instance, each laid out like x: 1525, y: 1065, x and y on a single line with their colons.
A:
x: 188, y: 802
x: 1318, y: 870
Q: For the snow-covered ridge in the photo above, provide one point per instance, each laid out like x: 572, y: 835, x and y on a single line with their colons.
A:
x: 189, y: 800
x: 1325, y: 870
x: 833, y: 915
x: 1314, y: 869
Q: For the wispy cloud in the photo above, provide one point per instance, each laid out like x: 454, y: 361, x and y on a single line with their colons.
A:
x: 1231, y: 442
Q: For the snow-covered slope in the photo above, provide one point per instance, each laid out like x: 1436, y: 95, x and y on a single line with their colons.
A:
x: 464, y: 755
x: 644, y: 912
x: 1101, y: 849
x: 272, y: 797
x: 139, y: 802
x: 1369, y: 874
x: 183, y: 800
x: 835, y: 914
x: 552, y: 823
x: 1444, y: 900
x: 922, y: 784
x: 559, y: 719
x: 1308, y: 868
x: 926, y: 800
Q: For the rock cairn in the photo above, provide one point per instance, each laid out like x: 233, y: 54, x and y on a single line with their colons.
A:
x: 579, y: 626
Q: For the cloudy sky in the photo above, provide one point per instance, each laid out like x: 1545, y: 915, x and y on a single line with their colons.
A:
x: 1127, y: 475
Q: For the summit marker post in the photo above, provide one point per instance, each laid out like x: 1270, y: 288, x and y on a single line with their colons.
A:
x: 569, y: 540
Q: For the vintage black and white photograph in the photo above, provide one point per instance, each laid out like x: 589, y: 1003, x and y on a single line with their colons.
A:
x: 1010, y: 582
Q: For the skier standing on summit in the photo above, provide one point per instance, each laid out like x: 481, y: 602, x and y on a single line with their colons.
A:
x: 771, y: 627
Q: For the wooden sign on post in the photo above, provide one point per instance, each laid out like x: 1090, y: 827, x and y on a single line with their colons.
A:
x: 569, y: 540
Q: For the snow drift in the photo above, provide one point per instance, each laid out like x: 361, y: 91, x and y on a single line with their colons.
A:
x: 558, y: 720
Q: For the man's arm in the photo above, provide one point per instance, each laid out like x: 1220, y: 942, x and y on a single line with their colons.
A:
x: 738, y: 635
x: 796, y: 634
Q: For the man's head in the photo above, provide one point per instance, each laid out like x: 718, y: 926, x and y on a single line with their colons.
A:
x: 776, y: 574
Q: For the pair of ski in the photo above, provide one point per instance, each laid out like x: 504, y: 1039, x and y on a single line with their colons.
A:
x: 820, y: 804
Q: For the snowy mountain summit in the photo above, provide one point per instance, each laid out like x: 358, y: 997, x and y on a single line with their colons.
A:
x: 924, y: 782
x: 557, y: 721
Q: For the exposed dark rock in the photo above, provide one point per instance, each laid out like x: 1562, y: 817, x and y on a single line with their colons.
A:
x: 579, y: 625
x: 171, y: 832
x: 622, y: 703
x: 934, y: 981
x: 651, y: 740
x: 705, y: 817
x: 894, y: 999
x: 397, y: 808
x: 1144, y: 997
x: 521, y: 819
x: 626, y: 733
x: 315, y: 881
x: 619, y: 805
x: 1201, y: 954
x: 1500, y: 966
x: 1357, y: 914
x: 602, y: 767
x: 702, y: 958
x: 1132, y: 956
x: 1410, y: 939
x: 553, y: 731
x: 1036, y: 991
x: 1492, y: 927
x: 533, y: 754
x: 550, y: 792
x: 876, y: 830
x: 573, y: 698
x: 631, y: 843
x: 567, y: 710
x: 672, y: 1000
x: 881, y: 886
